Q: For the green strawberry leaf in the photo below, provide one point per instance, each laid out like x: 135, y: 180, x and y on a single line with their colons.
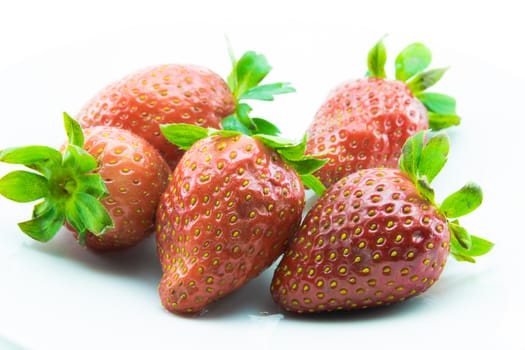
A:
x: 23, y: 186
x: 433, y: 157
x: 267, y: 92
x: 74, y: 132
x: 242, y: 112
x: 460, y: 234
x: 438, y: 103
x: 412, y: 60
x: 233, y: 123
x: 275, y: 142
x: 438, y: 121
x: 411, y: 155
x: 74, y: 219
x: 313, y: 183
x: 424, y: 189
x: 246, y: 75
x: 45, y: 224
x: 423, y: 156
x: 92, y: 213
x: 462, y: 202
x: 293, y: 154
x: 183, y: 135
x: 29, y: 155
x: 263, y: 126
x: 458, y: 254
x: 424, y: 80
x: 77, y: 159
x: 40, y: 158
x: 250, y: 70
x: 294, y: 151
x: 479, y: 246
x: 307, y: 165
x: 86, y: 214
x: 92, y: 184
x: 377, y: 60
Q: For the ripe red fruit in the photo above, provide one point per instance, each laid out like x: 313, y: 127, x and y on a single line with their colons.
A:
x: 135, y: 175
x: 365, y: 122
x: 231, y: 205
x: 169, y: 93
x: 377, y: 237
x: 224, y: 218
x: 105, y: 185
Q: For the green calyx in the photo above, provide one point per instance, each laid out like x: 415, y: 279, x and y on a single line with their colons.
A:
x: 64, y: 182
x: 293, y: 153
x: 423, y: 157
x: 411, y: 67
x: 244, y: 82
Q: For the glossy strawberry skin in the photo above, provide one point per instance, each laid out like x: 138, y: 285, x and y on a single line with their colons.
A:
x: 135, y: 175
x: 364, y: 124
x: 370, y: 240
x: 226, y: 215
x: 161, y: 95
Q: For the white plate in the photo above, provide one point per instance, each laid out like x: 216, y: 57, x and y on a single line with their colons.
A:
x: 60, y: 296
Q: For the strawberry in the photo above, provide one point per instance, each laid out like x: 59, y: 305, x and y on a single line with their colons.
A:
x: 167, y: 93
x: 227, y: 213
x: 365, y: 122
x: 377, y: 236
x: 175, y: 93
x: 105, y: 185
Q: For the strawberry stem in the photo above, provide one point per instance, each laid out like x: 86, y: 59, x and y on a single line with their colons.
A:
x: 65, y: 183
x: 244, y: 82
x: 410, y: 67
x: 423, y: 157
x: 377, y: 60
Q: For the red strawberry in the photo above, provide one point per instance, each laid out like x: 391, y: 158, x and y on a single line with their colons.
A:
x: 161, y: 94
x: 107, y: 192
x: 365, y: 122
x: 135, y: 175
x: 377, y: 236
x: 173, y: 93
x: 227, y: 213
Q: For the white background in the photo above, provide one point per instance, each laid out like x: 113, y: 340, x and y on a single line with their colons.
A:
x: 54, y: 55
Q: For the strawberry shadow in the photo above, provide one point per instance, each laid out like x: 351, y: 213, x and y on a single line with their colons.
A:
x: 139, y: 262
x: 375, y: 313
x: 252, y: 299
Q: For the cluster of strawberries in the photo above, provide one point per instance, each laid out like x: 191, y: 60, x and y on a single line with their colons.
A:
x: 173, y: 150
